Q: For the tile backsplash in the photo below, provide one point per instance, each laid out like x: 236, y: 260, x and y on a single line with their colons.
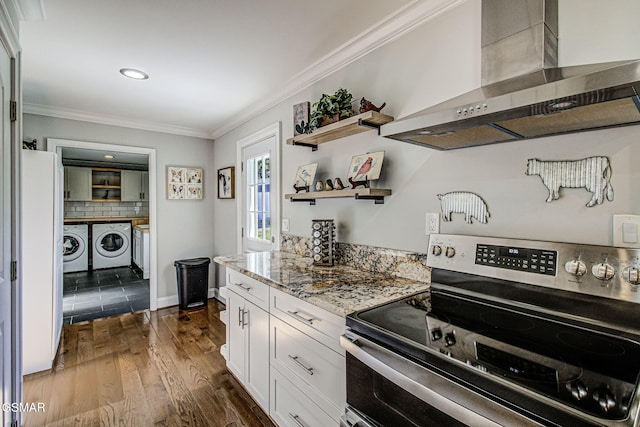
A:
x: 410, y: 265
x: 105, y: 209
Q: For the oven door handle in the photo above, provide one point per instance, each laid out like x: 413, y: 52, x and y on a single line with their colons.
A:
x: 430, y: 387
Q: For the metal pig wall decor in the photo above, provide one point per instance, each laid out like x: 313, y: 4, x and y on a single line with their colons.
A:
x: 592, y: 173
x: 470, y: 204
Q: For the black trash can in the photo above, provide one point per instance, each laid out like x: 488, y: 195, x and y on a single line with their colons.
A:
x: 193, y: 282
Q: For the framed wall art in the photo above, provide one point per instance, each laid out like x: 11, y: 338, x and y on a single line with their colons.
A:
x: 366, y: 166
x: 226, y: 183
x: 184, y: 183
x: 300, y: 117
x: 305, y: 176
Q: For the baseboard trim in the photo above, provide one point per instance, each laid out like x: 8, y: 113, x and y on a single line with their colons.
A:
x: 172, y: 300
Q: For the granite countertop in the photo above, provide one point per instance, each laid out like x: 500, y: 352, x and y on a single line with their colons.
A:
x: 339, y: 289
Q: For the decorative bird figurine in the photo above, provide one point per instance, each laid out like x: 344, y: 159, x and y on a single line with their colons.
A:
x: 338, y: 184
x: 319, y: 186
x: 368, y: 106
x: 329, y: 185
x: 365, y: 168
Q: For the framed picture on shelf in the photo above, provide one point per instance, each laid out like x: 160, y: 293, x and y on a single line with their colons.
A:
x: 300, y: 117
x: 305, y: 175
x: 226, y: 183
x: 184, y: 183
x: 366, y: 167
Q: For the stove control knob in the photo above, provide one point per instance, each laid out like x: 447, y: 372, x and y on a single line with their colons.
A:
x: 632, y: 275
x: 449, y: 339
x: 575, y: 267
x: 449, y: 251
x: 603, y: 271
x: 436, y: 334
x: 578, y: 390
x: 436, y: 250
x: 605, y: 399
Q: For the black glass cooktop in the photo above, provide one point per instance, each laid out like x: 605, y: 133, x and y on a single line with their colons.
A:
x: 550, y: 353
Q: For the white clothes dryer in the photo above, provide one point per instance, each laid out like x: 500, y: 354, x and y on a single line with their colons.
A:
x: 111, y: 245
x: 75, y: 248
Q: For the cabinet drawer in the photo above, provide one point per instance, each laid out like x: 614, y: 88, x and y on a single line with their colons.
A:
x: 314, y: 321
x: 248, y: 288
x: 314, y: 368
x: 290, y: 407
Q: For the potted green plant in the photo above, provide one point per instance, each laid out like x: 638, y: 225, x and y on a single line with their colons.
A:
x: 330, y: 109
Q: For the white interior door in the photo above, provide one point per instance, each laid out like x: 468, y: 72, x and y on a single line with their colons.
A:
x: 6, y: 311
x: 259, y: 192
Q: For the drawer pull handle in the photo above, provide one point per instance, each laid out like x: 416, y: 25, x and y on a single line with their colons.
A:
x: 296, y: 419
x: 302, y: 365
x: 299, y: 317
x: 242, y: 285
x: 240, y: 316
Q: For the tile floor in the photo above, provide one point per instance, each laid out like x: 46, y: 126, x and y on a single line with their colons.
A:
x: 94, y: 294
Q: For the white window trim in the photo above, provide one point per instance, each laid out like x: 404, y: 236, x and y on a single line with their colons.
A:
x: 268, y: 132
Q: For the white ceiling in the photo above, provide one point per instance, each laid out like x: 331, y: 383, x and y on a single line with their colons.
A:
x: 213, y: 64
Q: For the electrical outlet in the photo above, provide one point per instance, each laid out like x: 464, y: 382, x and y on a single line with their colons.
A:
x: 285, y: 225
x: 433, y: 223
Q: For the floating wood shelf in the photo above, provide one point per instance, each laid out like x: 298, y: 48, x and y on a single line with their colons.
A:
x: 345, y: 127
x: 105, y: 200
x: 106, y: 186
x: 375, y: 194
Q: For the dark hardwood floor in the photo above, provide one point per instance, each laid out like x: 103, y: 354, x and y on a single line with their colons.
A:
x: 146, y: 368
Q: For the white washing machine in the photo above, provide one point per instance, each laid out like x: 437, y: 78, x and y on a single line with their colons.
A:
x: 111, y: 245
x: 75, y: 248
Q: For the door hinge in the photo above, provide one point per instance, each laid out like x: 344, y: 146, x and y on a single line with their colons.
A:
x: 242, y: 232
x: 273, y: 239
x: 13, y: 111
x: 14, y: 271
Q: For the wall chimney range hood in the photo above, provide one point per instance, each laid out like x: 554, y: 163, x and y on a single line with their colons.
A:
x: 524, y: 94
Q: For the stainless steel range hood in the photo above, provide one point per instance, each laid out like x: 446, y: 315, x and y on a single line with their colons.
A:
x: 524, y: 94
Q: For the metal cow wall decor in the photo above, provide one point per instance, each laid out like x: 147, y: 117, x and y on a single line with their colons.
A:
x: 592, y: 173
x: 470, y: 204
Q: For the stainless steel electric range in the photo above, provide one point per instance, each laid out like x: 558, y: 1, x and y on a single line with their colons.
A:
x: 511, y: 332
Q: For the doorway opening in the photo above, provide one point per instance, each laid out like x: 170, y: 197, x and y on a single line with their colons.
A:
x: 110, y: 276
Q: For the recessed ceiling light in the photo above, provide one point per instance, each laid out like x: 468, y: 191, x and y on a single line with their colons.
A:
x: 132, y: 73
x: 108, y: 156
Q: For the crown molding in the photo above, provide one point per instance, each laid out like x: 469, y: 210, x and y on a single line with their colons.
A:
x: 395, y: 26
x: 31, y: 10
x: 63, y: 113
x: 8, y: 28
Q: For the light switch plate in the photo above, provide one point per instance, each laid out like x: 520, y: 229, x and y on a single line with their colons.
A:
x: 285, y: 225
x: 626, y: 231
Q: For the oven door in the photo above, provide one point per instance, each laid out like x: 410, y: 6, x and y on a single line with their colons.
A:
x: 387, y: 389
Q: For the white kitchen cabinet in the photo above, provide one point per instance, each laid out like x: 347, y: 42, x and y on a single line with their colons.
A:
x: 319, y: 324
x: 134, y: 186
x: 310, y: 366
x: 305, y: 350
x: 247, y: 345
x: 42, y: 260
x: 290, y: 407
x: 141, y: 249
x: 77, y: 184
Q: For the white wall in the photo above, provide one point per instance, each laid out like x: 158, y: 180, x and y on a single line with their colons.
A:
x: 185, y: 227
x: 437, y: 61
